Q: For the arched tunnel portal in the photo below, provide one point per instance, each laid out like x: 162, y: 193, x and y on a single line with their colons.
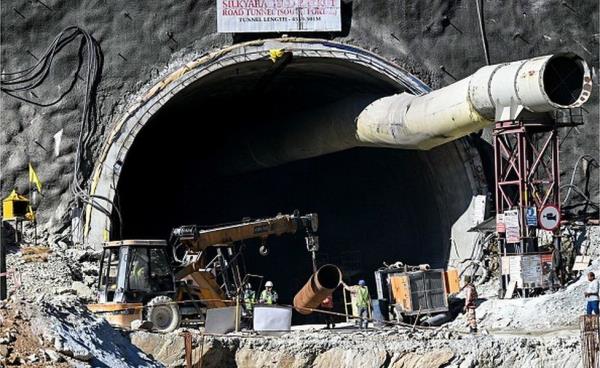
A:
x: 214, y: 152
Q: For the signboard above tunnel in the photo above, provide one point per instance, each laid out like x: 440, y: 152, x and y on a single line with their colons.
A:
x: 245, y: 16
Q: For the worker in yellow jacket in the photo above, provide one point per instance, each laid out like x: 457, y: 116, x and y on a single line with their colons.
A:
x: 268, y: 296
x: 362, y: 301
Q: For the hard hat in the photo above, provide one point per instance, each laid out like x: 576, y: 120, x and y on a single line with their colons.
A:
x: 362, y: 282
x: 268, y: 284
x: 248, y: 286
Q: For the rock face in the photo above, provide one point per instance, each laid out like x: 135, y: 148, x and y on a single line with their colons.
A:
x: 433, y: 359
x: 351, y: 358
x: 139, y: 41
x: 387, y: 348
x: 248, y: 357
x: 66, y: 325
x: 169, y: 349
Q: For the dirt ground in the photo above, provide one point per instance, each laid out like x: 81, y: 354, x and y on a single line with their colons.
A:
x: 18, y: 346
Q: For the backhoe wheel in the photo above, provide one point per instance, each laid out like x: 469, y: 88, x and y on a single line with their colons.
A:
x: 164, y: 314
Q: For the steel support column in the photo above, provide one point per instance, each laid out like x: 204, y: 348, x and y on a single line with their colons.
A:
x: 526, y: 171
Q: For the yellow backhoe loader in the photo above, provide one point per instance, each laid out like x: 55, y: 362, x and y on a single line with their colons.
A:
x: 196, y: 270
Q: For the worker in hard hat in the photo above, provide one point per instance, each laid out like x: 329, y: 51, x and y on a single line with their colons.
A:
x: 268, y: 296
x: 362, y: 301
x: 249, y: 298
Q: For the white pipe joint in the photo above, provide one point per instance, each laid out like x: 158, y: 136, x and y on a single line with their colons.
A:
x: 495, y: 92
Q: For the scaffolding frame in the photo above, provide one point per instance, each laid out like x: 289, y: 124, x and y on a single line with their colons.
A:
x: 527, y: 173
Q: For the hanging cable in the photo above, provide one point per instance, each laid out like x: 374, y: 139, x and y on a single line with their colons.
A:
x: 30, y: 78
x: 592, y: 162
x: 580, y: 192
x: 482, y: 31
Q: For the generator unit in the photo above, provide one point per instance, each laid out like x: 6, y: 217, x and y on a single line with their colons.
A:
x: 413, y: 291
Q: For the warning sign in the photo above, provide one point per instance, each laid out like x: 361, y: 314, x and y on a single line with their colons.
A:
x: 549, y: 218
x: 531, y: 270
x: 511, y: 223
x: 238, y: 16
x: 531, y: 216
x: 500, y: 227
x: 528, y: 270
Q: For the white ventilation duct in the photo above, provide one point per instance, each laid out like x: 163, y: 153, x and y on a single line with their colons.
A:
x: 494, y: 92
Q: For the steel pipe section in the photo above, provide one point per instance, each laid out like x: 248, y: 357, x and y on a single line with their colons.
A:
x: 495, y: 92
x: 321, y: 283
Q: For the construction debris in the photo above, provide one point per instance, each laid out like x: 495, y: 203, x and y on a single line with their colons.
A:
x: 42, y: 318
x: 36, y: 254
x: 57, y: 329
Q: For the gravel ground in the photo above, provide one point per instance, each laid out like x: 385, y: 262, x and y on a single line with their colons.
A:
x: 556, y: 311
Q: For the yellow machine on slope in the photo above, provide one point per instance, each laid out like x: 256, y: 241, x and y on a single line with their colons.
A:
x: 199, y: 269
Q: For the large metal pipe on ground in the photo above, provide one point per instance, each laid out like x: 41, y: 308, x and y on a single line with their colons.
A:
x: 321, y: 284
x: 422, y: 122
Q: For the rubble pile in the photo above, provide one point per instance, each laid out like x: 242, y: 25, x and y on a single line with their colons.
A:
x: 556, y: 311
x: 46, y: 308
x: 63, y: 270
x: 389, y: 347
x: 59, y: 329
x: 72, y: 330
x: 19, y: 345
x: 550, y: 312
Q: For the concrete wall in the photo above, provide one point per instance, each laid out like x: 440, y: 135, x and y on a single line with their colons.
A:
x: 140, y: 39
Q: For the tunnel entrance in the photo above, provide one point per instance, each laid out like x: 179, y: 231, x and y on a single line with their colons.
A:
x: 383, y: 214
x: 374, y: 204
x: 233, y: 134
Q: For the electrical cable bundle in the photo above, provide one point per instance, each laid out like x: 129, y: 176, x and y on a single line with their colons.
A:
x: 34, y: 76
x: 592, y: 163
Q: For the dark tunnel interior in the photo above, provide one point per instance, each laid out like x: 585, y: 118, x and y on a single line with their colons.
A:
x: 374, y: 204
x: 562, y: 79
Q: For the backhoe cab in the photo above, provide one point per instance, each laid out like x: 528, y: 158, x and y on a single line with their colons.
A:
x: 137, y: 275
x: 135, y: 271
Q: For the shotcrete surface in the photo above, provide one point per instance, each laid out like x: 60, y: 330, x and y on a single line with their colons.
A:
x: 141, y: 42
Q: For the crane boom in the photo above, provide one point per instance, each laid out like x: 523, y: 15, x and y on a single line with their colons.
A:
x: 197, y: 240
x: 224, y: 266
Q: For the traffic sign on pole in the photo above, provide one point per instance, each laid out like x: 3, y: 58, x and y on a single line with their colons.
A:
x: 549, y: 218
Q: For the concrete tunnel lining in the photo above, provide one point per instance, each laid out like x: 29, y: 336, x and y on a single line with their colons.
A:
x: 448, y: 161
